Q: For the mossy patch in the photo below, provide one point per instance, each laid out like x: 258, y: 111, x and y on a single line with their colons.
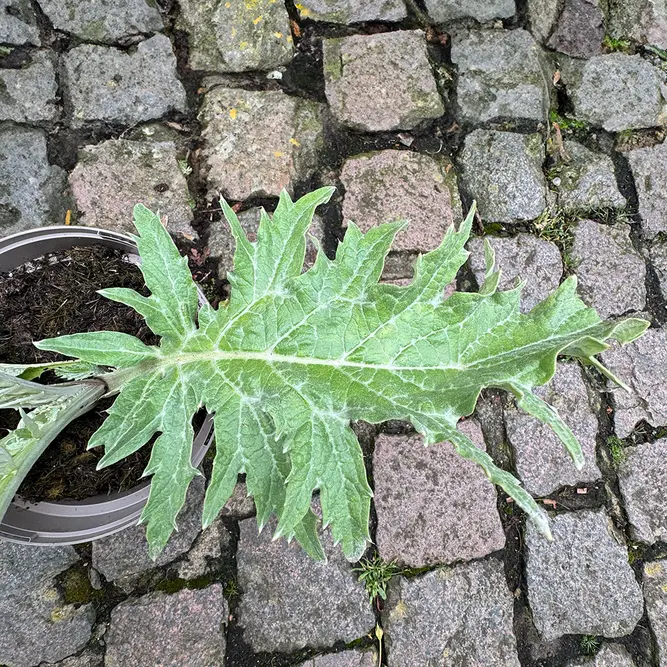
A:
x: 333, y: 63
x: 616, y: 451
x: 171, y: 586
x: 77, y: 588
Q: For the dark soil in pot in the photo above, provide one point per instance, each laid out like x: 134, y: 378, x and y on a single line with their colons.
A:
x: 53, y: 296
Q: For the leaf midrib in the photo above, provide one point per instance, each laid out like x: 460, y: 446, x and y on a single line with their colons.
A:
x: 270, y: 357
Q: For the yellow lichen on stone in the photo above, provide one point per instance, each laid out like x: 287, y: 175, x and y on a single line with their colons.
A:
x: 399, y: 611
x: 60, y: 614
x: 51, y: 594
x: 294, y: 142
x: 278, y: 154
x: 653, y: 569
x: 257, y: 20
x: 232, y: 114
x: 278, y: 34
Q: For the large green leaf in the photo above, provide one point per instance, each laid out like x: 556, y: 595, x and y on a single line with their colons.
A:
x: 294, y: 357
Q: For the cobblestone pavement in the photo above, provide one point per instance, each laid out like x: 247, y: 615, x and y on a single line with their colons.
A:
x: 549, y: 113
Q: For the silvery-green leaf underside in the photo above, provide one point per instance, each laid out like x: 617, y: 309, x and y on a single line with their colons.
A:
x: 51, y: 409
x: 294, y: 357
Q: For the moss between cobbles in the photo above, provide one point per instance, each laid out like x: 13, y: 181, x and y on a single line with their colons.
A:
x: 617, y: 451
x: 565, y: 123
x: 333, y: 64
x: 555, y: 225
x: 231, y: 590
x: 628, y: 140
x: 171, y: 586
x: 619, y: 45
x: 77, y: 588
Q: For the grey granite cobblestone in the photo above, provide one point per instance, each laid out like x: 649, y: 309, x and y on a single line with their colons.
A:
x: 586, y: 180
x: 290, y: 601
x: 113, y: 86
x: 186, y: 628
x: 611, y: 273
x: 256, y: 143
x: 111, y: 177
x: 542, y: 16
x: 581, y: 582
x: 401, y: 185
x: 36, y: 624
x: 501, y: 75
x: 642, y: 479
x: 654, y: 583
x: 594, y: 90
x: 459, y: 616
x: 371, y: 85
x: 502, y: 171
x: 33, y: 192
x: 28, y: 95
x: 236, y: 36
x: 433, y: 506
x: 580, y: 29
x: 643, y: 367
x: 649, y: 169
x: 103, y: 21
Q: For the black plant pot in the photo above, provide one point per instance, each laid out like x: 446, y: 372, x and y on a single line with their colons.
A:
x: 73, y: 522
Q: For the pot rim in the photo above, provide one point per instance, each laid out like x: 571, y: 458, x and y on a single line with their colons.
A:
x: 68, y: 521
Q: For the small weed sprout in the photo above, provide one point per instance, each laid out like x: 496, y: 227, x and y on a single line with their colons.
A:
x: 186, y: 169
x: 555, y: 225
x: 661, y: 53
x: 376, y: 574
x: 634, y: 552
x: 616, y: 44
x: 230, y: 590
x: 590, y: 644
x: 379, y: 633
x: 567, y: 124
x: 617, y: 452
